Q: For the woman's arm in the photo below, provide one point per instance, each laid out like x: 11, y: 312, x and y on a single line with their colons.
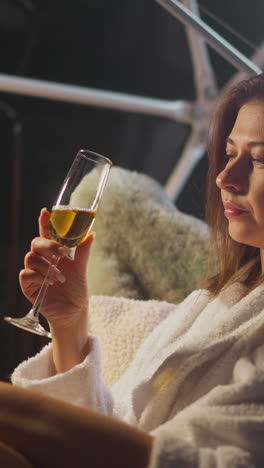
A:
x: 66, y: 302
x: 70, y: 368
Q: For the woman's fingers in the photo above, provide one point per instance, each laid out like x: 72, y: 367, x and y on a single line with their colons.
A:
x: 30, y: 282
x: 47, y: 248
x: 30, y: 276
x: 41, y: 265
x: 43, y: 249
x: 43, y: 222
x: 40, y: 246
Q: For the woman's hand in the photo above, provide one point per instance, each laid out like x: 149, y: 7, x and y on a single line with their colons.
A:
x: 66, y: 303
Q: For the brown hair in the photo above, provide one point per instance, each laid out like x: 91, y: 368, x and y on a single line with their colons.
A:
x: 236, y: 262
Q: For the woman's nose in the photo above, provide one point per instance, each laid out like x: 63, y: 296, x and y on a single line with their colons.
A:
x: 232, y: 178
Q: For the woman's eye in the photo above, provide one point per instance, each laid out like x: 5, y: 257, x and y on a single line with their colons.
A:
x: 228, y: 157
x: 259, y: 160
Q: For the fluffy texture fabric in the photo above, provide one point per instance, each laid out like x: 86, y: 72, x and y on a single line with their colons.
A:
x: 196, y: 383
x: 145, y: 248
x: 121, y: 329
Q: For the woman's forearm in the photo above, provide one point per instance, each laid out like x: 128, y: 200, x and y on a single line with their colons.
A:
x: 70, y: 345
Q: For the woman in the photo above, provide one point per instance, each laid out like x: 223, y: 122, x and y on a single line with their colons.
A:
x: 194, y: 395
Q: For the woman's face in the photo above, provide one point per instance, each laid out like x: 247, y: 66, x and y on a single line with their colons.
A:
x: 242, y: 180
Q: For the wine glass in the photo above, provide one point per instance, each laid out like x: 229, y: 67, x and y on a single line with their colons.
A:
x: 69, y: 223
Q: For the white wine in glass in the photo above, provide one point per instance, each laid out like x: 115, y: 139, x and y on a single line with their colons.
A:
x: 70, y: 222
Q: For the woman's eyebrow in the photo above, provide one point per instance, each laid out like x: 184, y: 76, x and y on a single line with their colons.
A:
x: 250, y: 143
x: 230, y: 141
x: 256, y: 143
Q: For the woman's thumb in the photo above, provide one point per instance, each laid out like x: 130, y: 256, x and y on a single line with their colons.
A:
x: 82, y: 252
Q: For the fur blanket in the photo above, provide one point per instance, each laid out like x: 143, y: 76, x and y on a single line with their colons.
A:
x: 145, y: 248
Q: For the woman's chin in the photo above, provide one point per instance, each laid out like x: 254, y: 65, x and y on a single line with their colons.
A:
x: 244, y: 236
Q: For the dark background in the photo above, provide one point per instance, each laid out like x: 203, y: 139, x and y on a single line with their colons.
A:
x: 128, y: 46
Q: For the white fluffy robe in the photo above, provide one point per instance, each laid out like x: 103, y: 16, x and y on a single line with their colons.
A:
x: 196, y: 383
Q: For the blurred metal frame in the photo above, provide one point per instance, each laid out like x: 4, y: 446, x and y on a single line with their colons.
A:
x: 196, y: 114
x: 198, y: 34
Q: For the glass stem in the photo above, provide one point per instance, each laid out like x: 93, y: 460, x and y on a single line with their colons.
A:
x: 35, y: 310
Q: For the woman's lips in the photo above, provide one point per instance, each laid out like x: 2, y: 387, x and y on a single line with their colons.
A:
x: 232, y: 210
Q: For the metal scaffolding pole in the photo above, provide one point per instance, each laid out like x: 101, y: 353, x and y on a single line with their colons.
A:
x: 230, y: 53
x: 178, y: 110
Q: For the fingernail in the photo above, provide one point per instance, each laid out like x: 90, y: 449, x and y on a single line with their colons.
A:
x: 63, y: 250
x: 60, y: 277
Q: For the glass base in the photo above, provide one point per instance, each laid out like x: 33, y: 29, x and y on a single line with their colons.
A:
x: 29, y: 323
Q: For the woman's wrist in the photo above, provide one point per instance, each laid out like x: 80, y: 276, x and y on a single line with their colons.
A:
x: 70, y: 345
